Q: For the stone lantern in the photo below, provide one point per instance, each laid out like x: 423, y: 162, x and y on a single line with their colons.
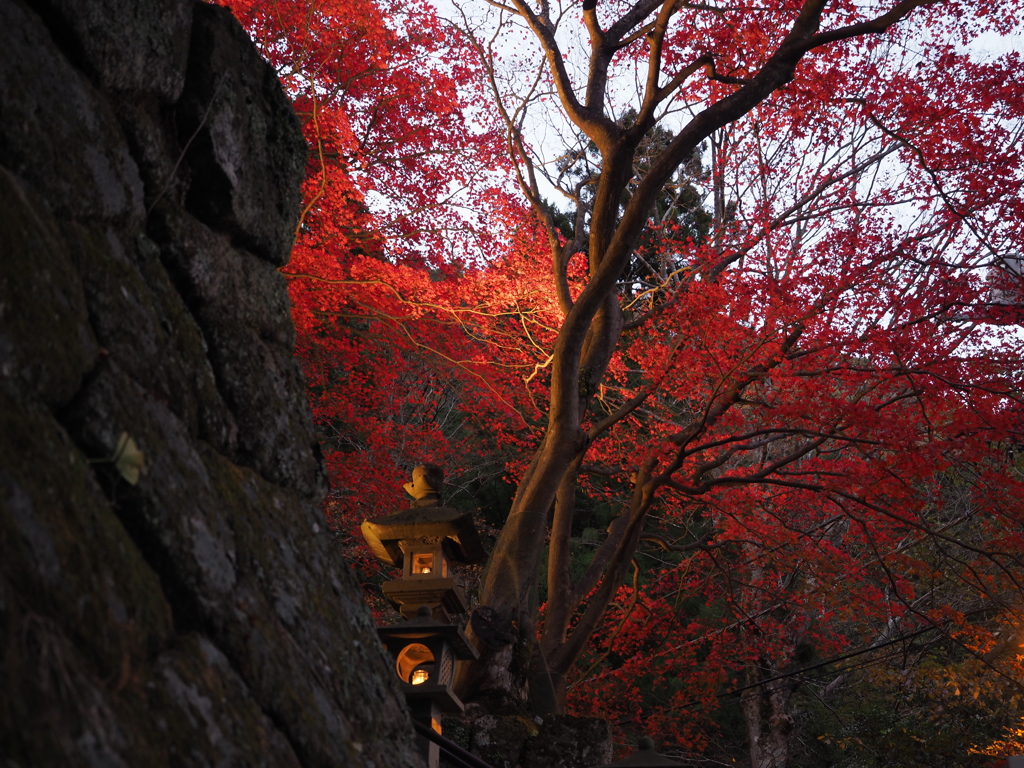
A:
x: 423, y: 540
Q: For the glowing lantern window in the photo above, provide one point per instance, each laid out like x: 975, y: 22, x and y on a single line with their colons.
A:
x: 412, y: 664
x: 423, y: 563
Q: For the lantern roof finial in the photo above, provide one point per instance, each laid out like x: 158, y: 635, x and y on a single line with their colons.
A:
x: 426, y: 486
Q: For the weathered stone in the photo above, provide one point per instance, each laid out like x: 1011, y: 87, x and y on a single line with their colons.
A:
x: 45, y: 337
x: 56, y: 132
x: 518, y: 741
x: 129, y: 45
x: 223, y: 285
x: 241, y: 304
x: 195, y: 614
x: 246, y: 153
x: 565, y: 741
x: 91, y: 674
x: 201, y: 688
x: 149, y: 127
x: 224, y: 542
x: 501, y: 740
x: 64, y: 551
x: 142, y: 322
x: 174, y: 509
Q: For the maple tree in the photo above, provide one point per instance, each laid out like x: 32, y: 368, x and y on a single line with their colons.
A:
x: 808, y: 360
x: 730, y: 368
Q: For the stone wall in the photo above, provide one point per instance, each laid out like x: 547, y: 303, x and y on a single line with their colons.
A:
x: 523, y: 741
x: 168, y: 591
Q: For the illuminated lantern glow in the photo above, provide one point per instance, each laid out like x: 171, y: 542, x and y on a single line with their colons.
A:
x: 410, y: 661
x: 423, y: 563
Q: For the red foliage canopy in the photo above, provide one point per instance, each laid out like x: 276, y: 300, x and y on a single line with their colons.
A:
x: 771, y: 380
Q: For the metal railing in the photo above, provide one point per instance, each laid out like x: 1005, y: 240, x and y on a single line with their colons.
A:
x: 451, y: 752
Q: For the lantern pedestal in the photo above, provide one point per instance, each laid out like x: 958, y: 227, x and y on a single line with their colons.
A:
x: 426, y: 712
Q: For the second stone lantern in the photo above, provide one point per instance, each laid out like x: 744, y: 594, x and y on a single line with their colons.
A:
x: 422, y: 540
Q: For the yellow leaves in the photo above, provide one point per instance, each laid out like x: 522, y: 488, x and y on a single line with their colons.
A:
x: 1012, y: 744
x: 842, y: 743
x: 129, y: 461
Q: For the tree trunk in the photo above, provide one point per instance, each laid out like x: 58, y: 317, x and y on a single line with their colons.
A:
x: 769, y: 722
x: 593, y: 323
